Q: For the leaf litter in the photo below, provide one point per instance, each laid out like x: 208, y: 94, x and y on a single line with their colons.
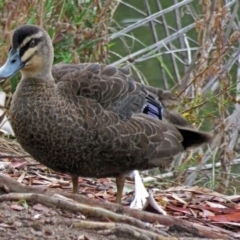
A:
x: 193, y: 204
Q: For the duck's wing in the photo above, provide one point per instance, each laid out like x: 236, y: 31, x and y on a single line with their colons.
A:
x: 104, y: 84
x: 114, y: 88
x: 107, y: 94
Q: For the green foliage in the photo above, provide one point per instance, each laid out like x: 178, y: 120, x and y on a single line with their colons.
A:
x: 79, y: 31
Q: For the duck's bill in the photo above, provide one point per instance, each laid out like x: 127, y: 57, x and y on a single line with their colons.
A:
x: 11, y: 66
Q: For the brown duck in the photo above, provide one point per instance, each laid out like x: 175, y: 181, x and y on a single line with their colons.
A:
x: 89, y: 120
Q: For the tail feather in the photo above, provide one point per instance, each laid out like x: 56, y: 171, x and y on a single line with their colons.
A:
x: 193, y: 138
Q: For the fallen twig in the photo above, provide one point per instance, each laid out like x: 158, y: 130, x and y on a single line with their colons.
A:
x: 104, y: 210
x: 69, y: 204
x: 110, y: 228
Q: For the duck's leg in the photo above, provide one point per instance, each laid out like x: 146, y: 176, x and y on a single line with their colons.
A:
x: 75, y: 183
x: 120, y: 181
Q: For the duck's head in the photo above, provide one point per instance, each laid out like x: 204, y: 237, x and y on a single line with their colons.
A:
x: 31, y: 52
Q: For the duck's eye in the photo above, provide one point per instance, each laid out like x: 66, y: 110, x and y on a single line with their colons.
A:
x: 32, y: 43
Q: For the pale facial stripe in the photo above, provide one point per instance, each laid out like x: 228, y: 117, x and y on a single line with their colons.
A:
x: 28, y: 54
x: 26, y: 40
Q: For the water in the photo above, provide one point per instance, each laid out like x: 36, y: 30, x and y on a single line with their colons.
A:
x: 151, y: 68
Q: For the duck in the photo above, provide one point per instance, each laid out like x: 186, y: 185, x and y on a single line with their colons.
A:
x: 90, y: 119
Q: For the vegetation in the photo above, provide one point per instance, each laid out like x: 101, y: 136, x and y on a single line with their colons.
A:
x: 82, y: 29
x: 196, y: 58
x: 195, y: 50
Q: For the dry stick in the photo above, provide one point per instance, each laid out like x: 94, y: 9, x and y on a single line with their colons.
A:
x: 66, y: 203
x: 184, y: 226
x: 94, y: 212
x: 14, y: 186
x: 212, y: 98
x: 116, y: 227
x: 168, y: 221
x: 207, y: 68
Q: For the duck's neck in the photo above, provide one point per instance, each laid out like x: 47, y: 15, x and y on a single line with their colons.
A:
x: 43, y: 75
x: 33, y: 87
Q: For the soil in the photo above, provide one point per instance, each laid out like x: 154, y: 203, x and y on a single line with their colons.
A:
x: 39, y: 222
x: 31, y: 209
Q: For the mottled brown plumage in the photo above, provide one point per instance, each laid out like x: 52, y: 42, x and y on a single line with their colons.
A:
x: 86, y: 120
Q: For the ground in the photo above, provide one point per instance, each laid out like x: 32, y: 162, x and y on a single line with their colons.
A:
x: 39, y: 222
x: 37, y: 203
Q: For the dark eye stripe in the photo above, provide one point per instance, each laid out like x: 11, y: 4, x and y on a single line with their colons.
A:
x: 24, y: 48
